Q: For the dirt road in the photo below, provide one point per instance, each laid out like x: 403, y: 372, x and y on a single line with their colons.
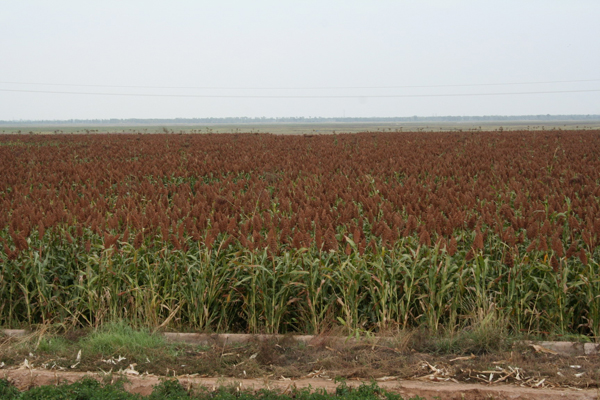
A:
x: 142, y: 384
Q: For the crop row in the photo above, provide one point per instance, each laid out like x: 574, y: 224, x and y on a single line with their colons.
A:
x: 237, y: 290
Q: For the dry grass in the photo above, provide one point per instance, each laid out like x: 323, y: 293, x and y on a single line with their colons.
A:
x: 414, y: 354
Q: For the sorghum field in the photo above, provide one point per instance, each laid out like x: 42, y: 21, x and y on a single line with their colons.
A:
x: 372, y: 232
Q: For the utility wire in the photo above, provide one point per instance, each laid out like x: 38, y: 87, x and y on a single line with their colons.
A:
x: 301, y: 88
x: 211, y: 96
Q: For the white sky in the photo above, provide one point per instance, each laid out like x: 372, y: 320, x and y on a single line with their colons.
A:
x: 298, y: 44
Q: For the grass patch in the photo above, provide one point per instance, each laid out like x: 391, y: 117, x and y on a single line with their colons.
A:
x: 52, y: 344
x: 7, y: 391
x: 89, y: 389
x: 121, y: 339
x: 85, y: 349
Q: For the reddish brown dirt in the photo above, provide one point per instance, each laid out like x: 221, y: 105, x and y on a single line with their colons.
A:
x: 27, y: 378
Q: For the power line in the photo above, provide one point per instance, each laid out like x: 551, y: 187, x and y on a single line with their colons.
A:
x: 300, y: 88
x: 210, y: 96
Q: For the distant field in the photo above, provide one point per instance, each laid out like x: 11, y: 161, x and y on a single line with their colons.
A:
x: 368, y: 232
x: 307, y: 128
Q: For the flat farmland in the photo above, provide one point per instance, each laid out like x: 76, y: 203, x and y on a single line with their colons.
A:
x: 299, y: 128
x: 369, y: 232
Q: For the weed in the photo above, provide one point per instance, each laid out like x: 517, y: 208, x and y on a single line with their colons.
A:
x: 121, y: 339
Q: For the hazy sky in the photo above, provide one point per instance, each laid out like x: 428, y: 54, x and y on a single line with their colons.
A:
x: 359, y: 49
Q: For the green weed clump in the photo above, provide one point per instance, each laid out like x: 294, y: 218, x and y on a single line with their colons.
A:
x: 120, y: 338
x: 7, y: 391
x: 90, y: 389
